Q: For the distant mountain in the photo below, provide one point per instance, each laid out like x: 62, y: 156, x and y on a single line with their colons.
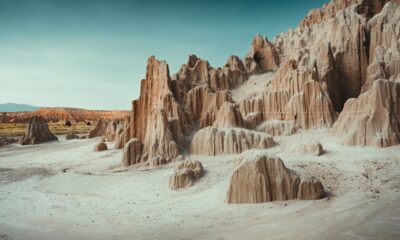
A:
x: 15, y: 107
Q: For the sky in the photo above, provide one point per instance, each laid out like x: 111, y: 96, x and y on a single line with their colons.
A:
x: 92, y: 53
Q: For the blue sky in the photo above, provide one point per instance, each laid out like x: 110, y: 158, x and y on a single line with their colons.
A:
x: 92, y: 54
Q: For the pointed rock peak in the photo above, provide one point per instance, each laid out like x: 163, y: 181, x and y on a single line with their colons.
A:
x: 234, y: 62
x: 157, y: 69
x: 260, y: 41
x: 192, y: 60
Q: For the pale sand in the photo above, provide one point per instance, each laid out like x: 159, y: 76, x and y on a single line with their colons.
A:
x: 80, y: 194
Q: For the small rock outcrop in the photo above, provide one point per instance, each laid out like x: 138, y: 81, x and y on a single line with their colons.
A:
x: 213, y: 141
x: 263, y: 178
x: 99, y: 130
x: 308, y: 148
x: 102, y: 146
x: 185, y: 174
x: 132, y: 152
x: 37, y: 131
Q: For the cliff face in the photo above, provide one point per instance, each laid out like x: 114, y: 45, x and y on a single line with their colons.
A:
x: 336, y: 54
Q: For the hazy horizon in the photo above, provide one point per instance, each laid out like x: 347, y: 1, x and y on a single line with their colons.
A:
x: 93, y: 54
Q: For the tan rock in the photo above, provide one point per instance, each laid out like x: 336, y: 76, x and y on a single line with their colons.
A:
x: 122, y: 135
x: 262, y: 56
x: 213, y: 141
x: 112, y: 128
x: 99, y: 130
x: 100, y: 146
x: 373, y: 118
x: 312, y: 108
x: 278, y: 128
x: 263, y: 178
x: 132, y: 152
x: 37, y: 131
x: 185, y: 174
x: 158, y: 120
x: 228, y: 117
x: 308, y: 148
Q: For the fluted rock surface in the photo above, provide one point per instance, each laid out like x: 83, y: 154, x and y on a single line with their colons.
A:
x: 213, y: 141
x: 228, y: 117
x: 336, y: 53
x: 373, y: 118
x: 37, y: 131
x: 262, y: 56
x: 132, y: 152
x: 112, y: 130
x: 122, y: 134
x: 384, y: 49
x: 263, y: 178
x: 185, y: 174
x: 278, y: 128
x: 99, y: 130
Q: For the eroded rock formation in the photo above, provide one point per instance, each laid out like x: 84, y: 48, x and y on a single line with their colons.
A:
x: 307, y: 148
x: 37, y: 131
x: 335, y: 54
x: 113, y: 129
x: 132, y: 152
x: 373, y: 118
x: 278, y: 128
x: 101, y: 146
x: 185, y: 174
x: 213, y: 141
x: 99, y: 130
x: 262, y: 178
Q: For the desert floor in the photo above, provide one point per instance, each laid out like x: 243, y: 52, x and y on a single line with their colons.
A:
x: 65, y: 190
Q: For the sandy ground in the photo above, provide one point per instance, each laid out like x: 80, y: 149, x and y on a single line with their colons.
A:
x: 64, y: 190
x: 254, y: 86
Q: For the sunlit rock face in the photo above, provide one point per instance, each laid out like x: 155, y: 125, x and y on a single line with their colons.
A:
x: 323, y: 71
x: 263, y: 178
x: 37, y: 131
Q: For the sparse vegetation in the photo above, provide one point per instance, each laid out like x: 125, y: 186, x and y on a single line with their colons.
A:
x: 58, y: 128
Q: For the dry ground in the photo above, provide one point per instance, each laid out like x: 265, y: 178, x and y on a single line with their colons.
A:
x: 64, y: 190
x: 10, y: 130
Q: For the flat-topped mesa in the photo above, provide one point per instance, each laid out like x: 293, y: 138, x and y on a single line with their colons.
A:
x: 262, y: 57
x: 372, y: 119
x: 37, y: 131
x: 158, y: 121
